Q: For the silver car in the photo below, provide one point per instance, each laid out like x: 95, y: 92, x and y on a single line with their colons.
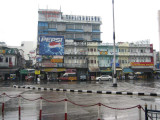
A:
x: 104, y: 77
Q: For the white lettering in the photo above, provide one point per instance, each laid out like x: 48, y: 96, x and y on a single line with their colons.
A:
x: 50, y: 39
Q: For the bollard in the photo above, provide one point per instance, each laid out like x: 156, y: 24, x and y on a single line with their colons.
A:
x: 151, y: 109
x: 155, y: 107
x: 65, y: 109
x: 146, y: 112
x: 115, y: 114
x: 99, y: 110
x: 139, y: 108
x: 40, y: 111
x: 19, y: 108
x: 3, y: 105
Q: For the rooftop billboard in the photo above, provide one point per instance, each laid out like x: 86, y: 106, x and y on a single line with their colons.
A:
x: 51, y: 45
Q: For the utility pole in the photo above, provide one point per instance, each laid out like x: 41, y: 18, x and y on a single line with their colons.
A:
x: 114, y: 57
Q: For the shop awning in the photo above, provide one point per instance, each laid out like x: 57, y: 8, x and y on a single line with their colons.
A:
x: 27, y: 71
x: 142, y: 69
x: 94, y: 69
x: 127, y: 70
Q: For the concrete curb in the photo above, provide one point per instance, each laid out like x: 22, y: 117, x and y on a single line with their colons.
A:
x: 90, y: 91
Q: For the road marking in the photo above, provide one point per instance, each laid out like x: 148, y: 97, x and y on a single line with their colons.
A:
x: 90, y: 91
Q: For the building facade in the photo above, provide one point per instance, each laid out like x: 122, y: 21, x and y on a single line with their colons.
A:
x: 11, y: 61
x: 77, y: 32
x: 105, y: 58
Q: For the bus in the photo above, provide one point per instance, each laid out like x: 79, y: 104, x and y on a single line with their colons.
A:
x: 68, y: 76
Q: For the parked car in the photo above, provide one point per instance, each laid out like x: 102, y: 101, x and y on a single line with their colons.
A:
x: 131, y: 77
x: 83, y: 77
x: 104, y: 77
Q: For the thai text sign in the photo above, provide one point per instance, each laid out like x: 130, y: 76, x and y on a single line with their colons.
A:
x: 54, y: 69
x: 2, y: 51
x: 51, y: 45
x: 37, y: 72
x: 103, y: 52
x: 57, y: 60
x: 142, y: 64
x: 52, y: 64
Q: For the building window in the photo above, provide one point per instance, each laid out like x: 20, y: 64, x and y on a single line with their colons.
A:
x: 1, y: 59
x: 6, y: 59
x: 95, y: 61
x: 91, y: 61
x: 94, y: 49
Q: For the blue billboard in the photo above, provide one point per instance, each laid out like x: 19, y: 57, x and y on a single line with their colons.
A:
x: 51, y: 45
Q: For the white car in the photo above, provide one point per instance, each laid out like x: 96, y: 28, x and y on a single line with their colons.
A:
x: 104, y: 77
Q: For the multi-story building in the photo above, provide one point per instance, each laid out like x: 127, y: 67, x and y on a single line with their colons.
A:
x: 105, y: 57
x: 29, y: 50
x: 93, y: 63
x: 75, y: 56
x: 75, y: 28
x: 137, y: 56
x: 11, y: 61
x: 123, y: 54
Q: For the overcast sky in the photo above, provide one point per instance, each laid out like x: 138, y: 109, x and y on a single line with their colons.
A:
x: 134, y: 19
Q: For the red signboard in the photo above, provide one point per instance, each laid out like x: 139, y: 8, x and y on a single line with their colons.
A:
x: 142, y: 64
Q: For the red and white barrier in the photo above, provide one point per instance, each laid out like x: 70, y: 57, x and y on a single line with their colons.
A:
x: 19, y: 108
x: 99, y: 111
x: 40, y: 111
x: 65, y: 107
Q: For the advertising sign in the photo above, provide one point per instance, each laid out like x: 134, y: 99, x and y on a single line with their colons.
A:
x: 52, y: 64
x: 2, y: 51
x: 57, y: 60
x: 103, y: 52
x: 51, y: 45
x: 142, y: 64
x: 54, y: 69
x: 49, y: 15
x: 11, y: 51
x: 37, y: 72
x: 105, y: 69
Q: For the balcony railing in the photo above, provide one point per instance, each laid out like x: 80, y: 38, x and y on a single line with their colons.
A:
x: 75, y: 65
x: 141, y: 54
x: 75, y: 53
x: 75, y: 44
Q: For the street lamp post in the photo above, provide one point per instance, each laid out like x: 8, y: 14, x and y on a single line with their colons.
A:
x: 114, y: 58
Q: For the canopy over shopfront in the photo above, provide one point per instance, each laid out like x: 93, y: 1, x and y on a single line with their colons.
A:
x: 27, y: 71
x: 127, y: 70
x: 94, y: 69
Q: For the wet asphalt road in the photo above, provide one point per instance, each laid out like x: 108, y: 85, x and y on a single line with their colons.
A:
x: 55, y: 111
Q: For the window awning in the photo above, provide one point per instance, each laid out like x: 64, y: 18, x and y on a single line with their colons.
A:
x: 94, y: 69
x: 127, y: 70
